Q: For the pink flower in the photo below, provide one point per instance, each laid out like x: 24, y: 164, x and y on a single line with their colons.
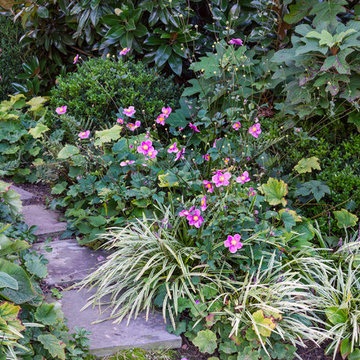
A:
x: 76, y: 58
x: 203, y: 203
x: 133, y: 127
x: 252, y: 192
x: 255, y: 130
x: 172, y: 148
x: 120, y: 120
x: 61, y: 110
x: 161, y: 119
x: 236, y: 42
x: 130, y: 111
x: 124, y: 51
x: 84, y: 134
x: 194, y: 127
x: 152, y: 154
x: 166, y: 111
x: 209, y: 186
x: 180, y: 154
x: 221, y: 179
x: 216, y: 140
x: 237, y: 125
x: 131, y: 146
x: 195, y: 218
x: 243, y: 178
x: 145, y: 147
x: 126, y: 162
x: 226, y: 160
x: 233, y: 243
x: 206, y: 157
x: 147, y: 135
x: 184, y: 213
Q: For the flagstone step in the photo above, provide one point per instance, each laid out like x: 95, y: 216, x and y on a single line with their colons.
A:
x: 25, y: 196
x: 47, y: 221
x: 108, y: 338
x: 69, y: 262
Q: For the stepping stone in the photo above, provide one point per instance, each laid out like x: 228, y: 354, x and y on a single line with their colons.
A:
x: 46, y: 220
x: 107, y: 338
x: 25, y: 196
x: 69, y: 262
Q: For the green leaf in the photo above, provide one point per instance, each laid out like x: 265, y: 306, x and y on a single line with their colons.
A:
x: 345, y: 348
x: 59, y: 188
x: 314, y: 187
x: 326, y: 12
x: 53, y: 345
x: 38, y: 130
x: 175, y: 63
x: 345, y: 218
x: 7, y: 281
x: 275, y: 191
x: 325, y: 38
x: 162, y: 55
x: 336, y: 315
x: 263, y: 324
x: 307, y: 165
x: 108, y: 135
x: 46, y: 314
x: 43, y: 12
x: 338, y: 62
x: 299, y: 10
x: 67, y: 151
x: 36, y: 267
x: 206, y: 341
x: 355, y: 355
x: 97, y: 221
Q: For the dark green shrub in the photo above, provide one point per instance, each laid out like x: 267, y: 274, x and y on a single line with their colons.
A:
x: 10, y: 54
x: 96, y: 94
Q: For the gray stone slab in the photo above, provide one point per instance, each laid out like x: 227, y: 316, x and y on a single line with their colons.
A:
x: 69, y: 262
x: 25, y: 196
x: 46, y: 220
x: 107, y: 338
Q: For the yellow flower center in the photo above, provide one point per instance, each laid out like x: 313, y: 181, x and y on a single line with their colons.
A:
x: 221, y: 178
x: 254, y: 129
x: 243, y: 178
x: 208, y: 186
x: 145, y: 147
x: 195, y: 218
x: 124, y: 49
x: 171, y: 146
x: 233, y: 242
x: 202, y: 201
x: 150, y: 153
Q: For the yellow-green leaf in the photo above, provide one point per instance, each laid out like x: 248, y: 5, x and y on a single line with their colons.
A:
x: 275, y: 191
x: 307, y: 165
x: 345, y: 218
x: 38, y: 130
x: 263, y: 324
x: 107, y: 135
x: 37, y: 102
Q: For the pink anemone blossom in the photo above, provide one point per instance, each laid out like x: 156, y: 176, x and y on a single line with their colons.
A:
x: 124, y: 51
x: 209, y: 186
x: 173, y: 148
x: 237, y: 125
x: 120, y: 120
x: 233, y: 243
x: 126, y: 162
x: 130, y: 111
x: 194, y: 127
x: 221, y: 179
x: 61, y: 110
x: 255, y: 130
x: 203, y: 203
x: 133, y: 127
x: 184, y: 213
x: 166, y: 111
x: 145, y: 147
x: 161, y: 119
x: 243, y: 178
x: 195, y: 219
x: 76, y: 58
x: 206, y: 157
x: 152, y: 154
x: 236, y: 42
x: 180, y: 154
x: 251, y: 192
x: 84, y: 134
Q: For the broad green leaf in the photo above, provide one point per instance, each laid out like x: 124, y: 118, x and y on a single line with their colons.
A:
x: 264, y: 325
x: 325, y: 38
x: 314, y: 187
x: 326, y: 12
x: 97, y: 221
x: 355, y: 355
x: 345, y: 348
x: 338, y: 62
x: 307, y: 165
x: 7, y: 281
x: 59, y: 188
x: 206, y: 341
x: 175, y: 63
x: 336, y: 315
x: 67, y: 151
x: 36, y: 267
x: 168, y: 180
x: 275, y: 191
x: 53, y: 345
x: 299, y: 10
x: 345, y: 218
x: 37, y: 102
x: 4, y: 186
x: 108, y: 135
x: 38, y: 130
x: 46, y: 314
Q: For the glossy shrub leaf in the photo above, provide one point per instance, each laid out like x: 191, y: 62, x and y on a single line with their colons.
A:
x: 336, y: 315
x: 175, y: 63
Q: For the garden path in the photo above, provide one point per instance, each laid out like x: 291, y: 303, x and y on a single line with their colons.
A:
x: 68, y: 264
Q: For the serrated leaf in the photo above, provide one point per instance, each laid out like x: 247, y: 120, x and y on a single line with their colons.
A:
x: 67, y: 151
x: 275, y: 191
x: 37, y: 103
x: 46, y: 314
x: 345, y: 218
x: 206, y: 341
x: 36, y: 267
x: 38, y: 130
x: 314, y: 187
x: 108, y: 135
x: 53, y: 345
x: 326, y: 12
x: 264, y: 325
x: 307, y: 165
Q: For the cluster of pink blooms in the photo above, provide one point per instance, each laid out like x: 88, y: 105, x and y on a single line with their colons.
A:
x: 146, y: 148
x: 193, y: 216
x: 166, y: 111
x: 124, y: 51
x: 126, y: 162
x: 220, y: 179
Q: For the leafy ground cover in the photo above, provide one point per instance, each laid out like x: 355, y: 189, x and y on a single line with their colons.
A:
x: 232, y: 207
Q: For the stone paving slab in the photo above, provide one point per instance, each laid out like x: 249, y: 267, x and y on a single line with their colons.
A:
x: 46, y: 220
x: 25, y: 196
x: 108, y: 338
x: 69, y: 262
